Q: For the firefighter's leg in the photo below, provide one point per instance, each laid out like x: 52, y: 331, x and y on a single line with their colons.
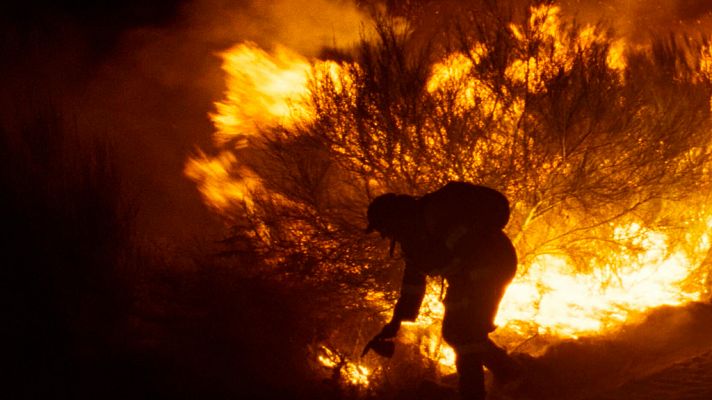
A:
x: 503, y: 367
x: 471, y: 375
x: 469, y: 349
x: 485, y: 300
x: 472, y: 356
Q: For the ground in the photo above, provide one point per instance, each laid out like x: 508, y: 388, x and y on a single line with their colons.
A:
x: 668, y: 356
x: 688, y: 379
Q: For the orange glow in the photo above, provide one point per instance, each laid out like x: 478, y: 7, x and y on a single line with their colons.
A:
x: 550, y: 296
x: 706, y: 61
x: 555, y: 299
x: 545, y: 25
x: 354, y: 374
x: 453, y: 74
x: 217, y: 182
x: 616, y: 56
x: 425, y: 331
x: 263, y: 90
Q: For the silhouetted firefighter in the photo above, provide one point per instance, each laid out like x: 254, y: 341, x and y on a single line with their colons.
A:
x: 456, y: 233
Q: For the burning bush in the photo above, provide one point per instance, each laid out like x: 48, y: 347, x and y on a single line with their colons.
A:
x: 596, y: 143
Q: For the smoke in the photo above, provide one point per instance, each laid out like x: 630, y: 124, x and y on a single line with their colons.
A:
x: 638, y: 20
x: 151, y: 91
x: 152, y: 87
x: 303, y: 26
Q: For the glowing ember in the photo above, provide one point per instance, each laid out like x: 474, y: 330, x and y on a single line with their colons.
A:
x: 425, y: 331
x: 352, y: 373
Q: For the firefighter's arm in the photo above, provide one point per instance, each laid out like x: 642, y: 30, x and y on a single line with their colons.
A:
x: 411, y: 296
x: 406, y: 309
x: 408, y: 304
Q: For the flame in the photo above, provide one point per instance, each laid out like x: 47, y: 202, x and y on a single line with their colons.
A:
x: 572, y: 304
x: 216, y: 179
x: 425, y: 330
x: 354, y: 374
x: 552, y: 298
x: 616, y: 56
x: 263, y: 90
x: 549, y: 296
x: 545, y: 26
x: 452, y: 74
x: 558, y: 300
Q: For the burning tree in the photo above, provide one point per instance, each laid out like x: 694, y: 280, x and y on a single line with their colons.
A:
x: 597, y: 145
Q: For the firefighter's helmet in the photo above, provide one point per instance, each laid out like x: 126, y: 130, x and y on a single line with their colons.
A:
x: 389, y: 211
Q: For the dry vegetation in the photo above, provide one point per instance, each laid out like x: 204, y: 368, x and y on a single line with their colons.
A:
x: 533, y: 105
x: 95, y: 312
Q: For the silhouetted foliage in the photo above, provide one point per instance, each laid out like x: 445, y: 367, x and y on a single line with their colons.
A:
x: 531, y: 104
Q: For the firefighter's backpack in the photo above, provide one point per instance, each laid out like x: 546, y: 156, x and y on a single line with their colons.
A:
x: 463, y: 206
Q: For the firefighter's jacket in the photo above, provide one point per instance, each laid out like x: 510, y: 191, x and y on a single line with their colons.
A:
x: 477, y: 265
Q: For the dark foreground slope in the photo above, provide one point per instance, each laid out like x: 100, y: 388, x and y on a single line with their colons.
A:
x: 666, y: 356
x: 687, y: 379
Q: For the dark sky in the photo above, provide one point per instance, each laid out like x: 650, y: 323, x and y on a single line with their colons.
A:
x: 106, y: 68
x: 114, y: 13
x: 98, y: 23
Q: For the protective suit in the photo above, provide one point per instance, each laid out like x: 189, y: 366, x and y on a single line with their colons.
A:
x: 455, y: 232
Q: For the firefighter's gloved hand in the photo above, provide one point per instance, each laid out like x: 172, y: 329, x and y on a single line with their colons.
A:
x: 382, y: 343
x: 382, y: 347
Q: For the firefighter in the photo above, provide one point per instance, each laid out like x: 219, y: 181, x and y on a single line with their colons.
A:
x: 456, y: 233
